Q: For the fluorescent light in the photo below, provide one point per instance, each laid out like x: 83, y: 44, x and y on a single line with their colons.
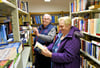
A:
x: 47, y: 0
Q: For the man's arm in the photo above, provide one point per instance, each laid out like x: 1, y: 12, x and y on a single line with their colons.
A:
x: 49, y: 37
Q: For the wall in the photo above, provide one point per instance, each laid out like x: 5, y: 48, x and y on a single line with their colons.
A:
x: 53, y: 6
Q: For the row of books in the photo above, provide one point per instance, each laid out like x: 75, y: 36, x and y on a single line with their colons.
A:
x: 22, y: 19
x: 3, y: 36
x: 22, y: 5
x: 81, y: 5
x: 6, y: 20
x: 38, y: 19
x: 84, y: 63
x: 92, y: 26
x: 6, y: 38
x: 9, y: 54
x: 91, y: 48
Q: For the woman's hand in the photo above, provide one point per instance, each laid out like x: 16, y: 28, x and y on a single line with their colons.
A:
x: 46, y: 52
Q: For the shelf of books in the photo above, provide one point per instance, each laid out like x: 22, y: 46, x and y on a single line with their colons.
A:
x: 83, y: 14
x: 36, y: 18
x: 87, y: 11
x: 22, y: 12
x: 11, y: 38
x: 87, y: 26
x: 91, y: 57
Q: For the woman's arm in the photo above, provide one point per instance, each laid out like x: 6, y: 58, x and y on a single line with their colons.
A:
x: 69, y: 54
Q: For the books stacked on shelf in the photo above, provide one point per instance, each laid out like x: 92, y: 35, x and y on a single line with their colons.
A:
x: 6, y: 64
x: 9, y: 54
x: 22, y: 19
x: 84, y: 63
x: 92, y: 26
x: 81, y: 5
x: 94, y: 7
x: 78, y: 5
x: 94, y: 4
x: 92, y: 48
x: 24, y: 36
x: 37, y: 19
x: 6, y: 20
x: 3, y: 36
x: 22, y: 5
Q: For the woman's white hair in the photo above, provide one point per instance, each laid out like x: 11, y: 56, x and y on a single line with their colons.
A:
x: 48, y: 16
x: 67, y: 19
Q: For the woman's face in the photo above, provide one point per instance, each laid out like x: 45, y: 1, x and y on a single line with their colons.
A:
x: 63, y: 27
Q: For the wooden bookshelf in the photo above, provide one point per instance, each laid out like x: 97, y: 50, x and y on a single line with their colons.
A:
x: 55, y: 14
x: 6, y: 7
x: 87, y: 11
x: 90, y: 34
x: 22, y: 12
x: 41, y: 13
x: 74, y: 12
x: 91, y: 57
x: 11, y: 9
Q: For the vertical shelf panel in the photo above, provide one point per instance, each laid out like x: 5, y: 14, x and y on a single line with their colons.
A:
x: 15, y: 22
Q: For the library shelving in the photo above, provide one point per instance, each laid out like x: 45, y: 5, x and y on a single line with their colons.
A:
x: 91, y: 57
x: 36, y: 18
x: 12, y: 8
x: 88, y: 22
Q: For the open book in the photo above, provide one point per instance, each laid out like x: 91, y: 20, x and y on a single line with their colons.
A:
x: 39, y: 45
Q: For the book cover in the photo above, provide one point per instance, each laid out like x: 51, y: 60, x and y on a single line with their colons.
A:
x: 39, y: 46
x: 98, y: 27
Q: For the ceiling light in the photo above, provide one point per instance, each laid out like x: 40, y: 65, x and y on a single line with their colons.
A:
x: 47, y: 0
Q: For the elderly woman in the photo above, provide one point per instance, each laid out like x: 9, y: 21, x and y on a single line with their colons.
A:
x: 65, y: 49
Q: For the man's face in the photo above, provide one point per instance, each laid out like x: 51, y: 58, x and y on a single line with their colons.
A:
x: 46, y: 20
x: 63, y: 27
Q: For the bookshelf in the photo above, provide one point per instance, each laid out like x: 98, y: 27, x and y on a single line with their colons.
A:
x: 91, y: 57
x: 75, y: 13
x: 55, y: 16
x: 87, y: 11
x: 11, y: 8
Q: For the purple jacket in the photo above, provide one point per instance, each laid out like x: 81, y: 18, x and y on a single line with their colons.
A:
x: 68, y: 54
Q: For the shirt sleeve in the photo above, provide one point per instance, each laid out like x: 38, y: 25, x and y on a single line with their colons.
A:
x: 69, y: 53
x: 49, y: 37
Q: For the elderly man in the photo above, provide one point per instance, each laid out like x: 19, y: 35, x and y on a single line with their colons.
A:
x: 44, y: 35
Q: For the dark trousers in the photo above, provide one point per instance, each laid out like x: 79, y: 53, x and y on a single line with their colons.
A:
x: 42, y: 61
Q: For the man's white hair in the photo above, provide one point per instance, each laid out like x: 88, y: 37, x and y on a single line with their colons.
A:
x: 48, y: 15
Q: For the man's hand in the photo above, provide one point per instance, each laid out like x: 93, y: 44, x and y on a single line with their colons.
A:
x: 46, y: 52
x: 36, y: 31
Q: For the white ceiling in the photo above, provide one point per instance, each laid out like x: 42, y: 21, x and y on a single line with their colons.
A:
x: 53, y: 6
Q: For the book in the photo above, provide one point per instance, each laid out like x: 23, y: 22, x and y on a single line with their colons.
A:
x: 39, y: 45
x: 5, y: 63
x: 94, y: 7
x: 8, y: 53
